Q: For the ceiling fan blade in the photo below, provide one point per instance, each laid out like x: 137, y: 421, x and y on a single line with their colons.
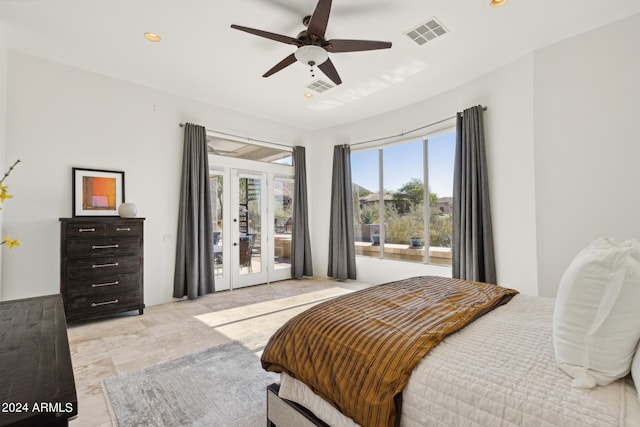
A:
x: 266, y: 34
x: 330, y: 71
x: 319, y: 19
x: 341, y: 45
x: 297, y: 10
x: 280, y: 65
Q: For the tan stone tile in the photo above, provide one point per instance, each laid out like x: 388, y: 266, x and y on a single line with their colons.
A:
x: 122, y: 344
x: 88, y: 375
x: 92, y: 411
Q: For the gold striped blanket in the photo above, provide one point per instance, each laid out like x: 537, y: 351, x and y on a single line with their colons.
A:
x: 357, y: 351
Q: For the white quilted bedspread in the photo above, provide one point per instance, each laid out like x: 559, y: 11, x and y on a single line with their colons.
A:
x: 499, y: 371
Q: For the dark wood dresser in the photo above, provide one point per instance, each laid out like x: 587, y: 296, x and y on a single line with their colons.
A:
x: 101, y: 266
x: 37, y: 387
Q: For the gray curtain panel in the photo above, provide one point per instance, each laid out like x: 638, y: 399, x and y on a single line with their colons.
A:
x: 473, y: 257
x: 342, y: 254
x: 300, y: 243
x: 194, y: 274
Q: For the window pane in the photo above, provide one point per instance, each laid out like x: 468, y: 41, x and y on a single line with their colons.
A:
x: 246, y: 150
x: 365, y: 183
x: 404, y: 202
x: 441, y: 158
x: 250, y: 225
x: 283, y: 218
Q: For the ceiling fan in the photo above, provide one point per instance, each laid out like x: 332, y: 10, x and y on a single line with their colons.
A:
x: 313, y: 49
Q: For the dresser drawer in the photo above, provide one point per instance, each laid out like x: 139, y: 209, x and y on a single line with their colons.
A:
x: 92, y: 306
x: 85, y: 229
x: 123, y: 228
x: 77, y: 248
x: 102, y: 266
x: 102, y: 285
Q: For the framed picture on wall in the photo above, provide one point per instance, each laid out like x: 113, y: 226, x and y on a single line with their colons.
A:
x: 97, y: 192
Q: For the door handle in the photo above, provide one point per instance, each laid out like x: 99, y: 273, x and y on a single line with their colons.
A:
x: 235, y: 244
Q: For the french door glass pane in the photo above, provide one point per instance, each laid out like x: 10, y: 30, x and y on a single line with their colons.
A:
x: 250, y: 225
x: 283, y: 222
x: 217, y: 216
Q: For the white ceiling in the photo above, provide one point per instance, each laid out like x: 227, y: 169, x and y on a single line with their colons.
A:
x: 201, y: 57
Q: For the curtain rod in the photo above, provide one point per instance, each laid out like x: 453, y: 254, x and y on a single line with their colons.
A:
x: 484, y: 108
x: 288, y: 147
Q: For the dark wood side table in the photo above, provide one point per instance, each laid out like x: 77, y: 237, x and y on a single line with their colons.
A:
x: 37, y: 387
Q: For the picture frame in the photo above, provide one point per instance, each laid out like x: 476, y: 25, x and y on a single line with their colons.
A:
x: 97, y: 192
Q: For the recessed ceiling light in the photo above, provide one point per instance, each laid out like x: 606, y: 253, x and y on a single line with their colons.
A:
x: 496, y: 3
x: 152, y: 37
x: 308, y: 95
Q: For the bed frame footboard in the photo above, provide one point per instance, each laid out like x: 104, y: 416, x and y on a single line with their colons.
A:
x: 285, y: 413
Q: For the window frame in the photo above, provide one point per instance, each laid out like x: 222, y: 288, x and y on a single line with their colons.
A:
x: 380, y: 147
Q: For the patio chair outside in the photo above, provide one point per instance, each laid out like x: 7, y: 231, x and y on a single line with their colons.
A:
x: 288, y: 226
x: 246, y: 248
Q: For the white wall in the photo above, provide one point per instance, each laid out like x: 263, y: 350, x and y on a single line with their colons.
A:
x: 561, y: 149
x: 509, y: 136
x: 560, y: 146
x: 3, y: 117
x: 587, y: 92
x: 60, y: 117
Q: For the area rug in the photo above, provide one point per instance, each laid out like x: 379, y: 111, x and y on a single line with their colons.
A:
x: 221, y: 386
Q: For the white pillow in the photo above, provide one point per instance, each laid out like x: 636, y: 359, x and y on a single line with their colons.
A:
x: 596, y: 322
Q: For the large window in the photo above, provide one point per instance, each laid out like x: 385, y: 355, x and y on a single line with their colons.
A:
x: 399, y: 188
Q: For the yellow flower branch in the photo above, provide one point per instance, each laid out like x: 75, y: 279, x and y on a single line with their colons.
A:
x: 4, y: 195
x: 11, y: 243
x: 7, y: 173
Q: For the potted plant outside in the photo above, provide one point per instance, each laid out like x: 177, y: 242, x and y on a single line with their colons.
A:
x: 415, y: 242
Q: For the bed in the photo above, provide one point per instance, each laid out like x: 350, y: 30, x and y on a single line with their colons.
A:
x: 497, y: 369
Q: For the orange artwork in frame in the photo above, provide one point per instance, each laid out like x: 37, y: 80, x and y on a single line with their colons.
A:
x: 97, y: 192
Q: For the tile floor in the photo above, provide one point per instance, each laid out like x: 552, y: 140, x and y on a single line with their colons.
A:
x: 113, y: 346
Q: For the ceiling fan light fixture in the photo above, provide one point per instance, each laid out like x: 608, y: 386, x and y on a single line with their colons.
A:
x: 496, y: 3
x: 311, y: 55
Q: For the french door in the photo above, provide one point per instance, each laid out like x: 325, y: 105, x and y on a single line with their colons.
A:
x: 249, y: 214
x: 252, y: 223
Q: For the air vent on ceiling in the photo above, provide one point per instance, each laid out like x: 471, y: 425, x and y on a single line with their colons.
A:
x: 320, y: 86
x: 427, y: 31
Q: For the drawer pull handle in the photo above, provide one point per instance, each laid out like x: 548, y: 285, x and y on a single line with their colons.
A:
x: 104, y: 246
x: 123, y: 229
x: 86, y: 230
x: 99, y: 285
x: 114, y: 264
x: 96, y: 304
